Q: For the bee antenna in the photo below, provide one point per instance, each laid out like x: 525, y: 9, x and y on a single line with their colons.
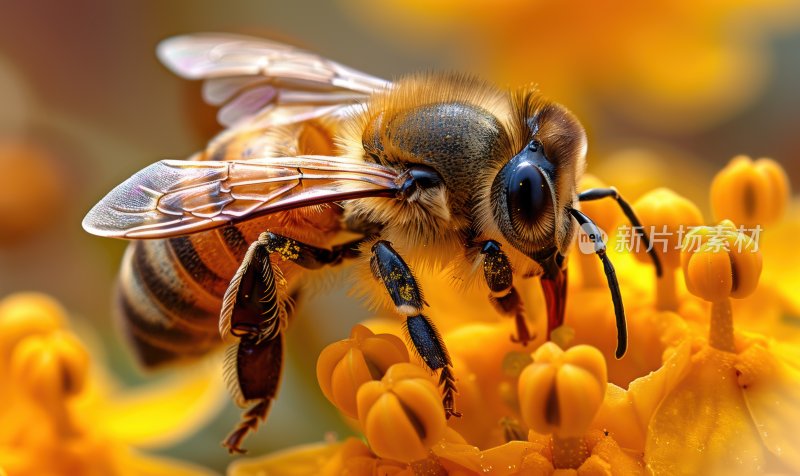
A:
x: 611, y: 276
x: 598, y: 193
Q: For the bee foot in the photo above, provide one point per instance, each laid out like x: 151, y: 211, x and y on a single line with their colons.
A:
x: 250, y: 420
x: 523, y: 334
x: 448, y: 382
x: 232, y: 443
x: 520, y: 340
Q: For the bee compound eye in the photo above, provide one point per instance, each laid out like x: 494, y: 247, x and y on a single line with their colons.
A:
x: 527, y: 193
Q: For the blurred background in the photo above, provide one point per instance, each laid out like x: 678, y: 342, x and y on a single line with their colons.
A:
x: 668, y: 91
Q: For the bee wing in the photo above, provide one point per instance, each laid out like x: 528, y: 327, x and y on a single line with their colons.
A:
x: 252, y: 79
x: 178, y: 197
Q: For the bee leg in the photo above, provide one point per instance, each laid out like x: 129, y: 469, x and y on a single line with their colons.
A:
x: 389, y: 268
x: 502, y: 294
x: 252, y: 303
x: 254, y: 310
x: 598, y: 193
x: 258, y: 370
x: 611, y: 277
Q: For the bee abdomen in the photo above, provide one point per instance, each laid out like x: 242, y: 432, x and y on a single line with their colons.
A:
x: 170, y: 294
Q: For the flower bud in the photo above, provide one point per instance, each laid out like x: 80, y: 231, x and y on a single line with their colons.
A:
x: 402, y: 415
x: 26, y: 314
x: 344, y: 366
x: 752, y: 193
x: 560, y: 392
x: 719, y: 262
x: 50, y: 367
x: 666, y: 217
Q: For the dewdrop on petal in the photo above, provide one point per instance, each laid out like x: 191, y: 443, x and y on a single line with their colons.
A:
x: 751, y: 193
x: 345, y: 365
x: 666, y: 218
x: 402, y: 415
x: 561, y: 391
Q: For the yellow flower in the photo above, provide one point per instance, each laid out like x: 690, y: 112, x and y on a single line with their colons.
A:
x: 692, y: 396
x: 666, y: 217
x: 651, y: 332
x: 308, y: 459
x: 751, y: 193
x: 402, y: 415
x: 768, y: 375
x: 713, y: 422
x: 560, y: 392
x: 344, y: 366
x: 80, y: 425
x: 702, y: 426
x: 487, y: 380
x: 719, y: 263
x: 774, y: 309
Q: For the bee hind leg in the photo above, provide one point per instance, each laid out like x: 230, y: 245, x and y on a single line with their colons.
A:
x: 389, y: 268
x: 254, y: 310
x: 258, y: 366
x: 502, y: 294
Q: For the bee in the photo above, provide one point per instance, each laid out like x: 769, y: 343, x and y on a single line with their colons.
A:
x: 436, y: 168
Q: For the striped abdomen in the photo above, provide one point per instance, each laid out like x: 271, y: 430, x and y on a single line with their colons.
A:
x: 170, y: 290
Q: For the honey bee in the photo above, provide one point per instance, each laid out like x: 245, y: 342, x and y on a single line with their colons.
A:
x: 440, y: 168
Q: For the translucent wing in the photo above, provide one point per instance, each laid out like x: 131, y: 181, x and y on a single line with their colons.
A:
x: 177, y: 197
x: 267, y: 83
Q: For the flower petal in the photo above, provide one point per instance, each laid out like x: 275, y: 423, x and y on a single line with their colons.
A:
x: 141, y: 465
x: 515, y: 457
x: 167, y: 411
x: 627, y: 413
x: 296, y: 461
x: 771, y: 388
x: 703, y: 426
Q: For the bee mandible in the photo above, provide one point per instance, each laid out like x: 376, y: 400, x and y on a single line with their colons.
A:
x: 434, y: 168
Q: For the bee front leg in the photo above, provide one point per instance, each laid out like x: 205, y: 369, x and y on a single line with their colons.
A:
x: 502, y: 294
x: 254, y: 310
x: 389, y: 268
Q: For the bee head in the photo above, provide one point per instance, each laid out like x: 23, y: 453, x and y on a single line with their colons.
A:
x: 532, y: 192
